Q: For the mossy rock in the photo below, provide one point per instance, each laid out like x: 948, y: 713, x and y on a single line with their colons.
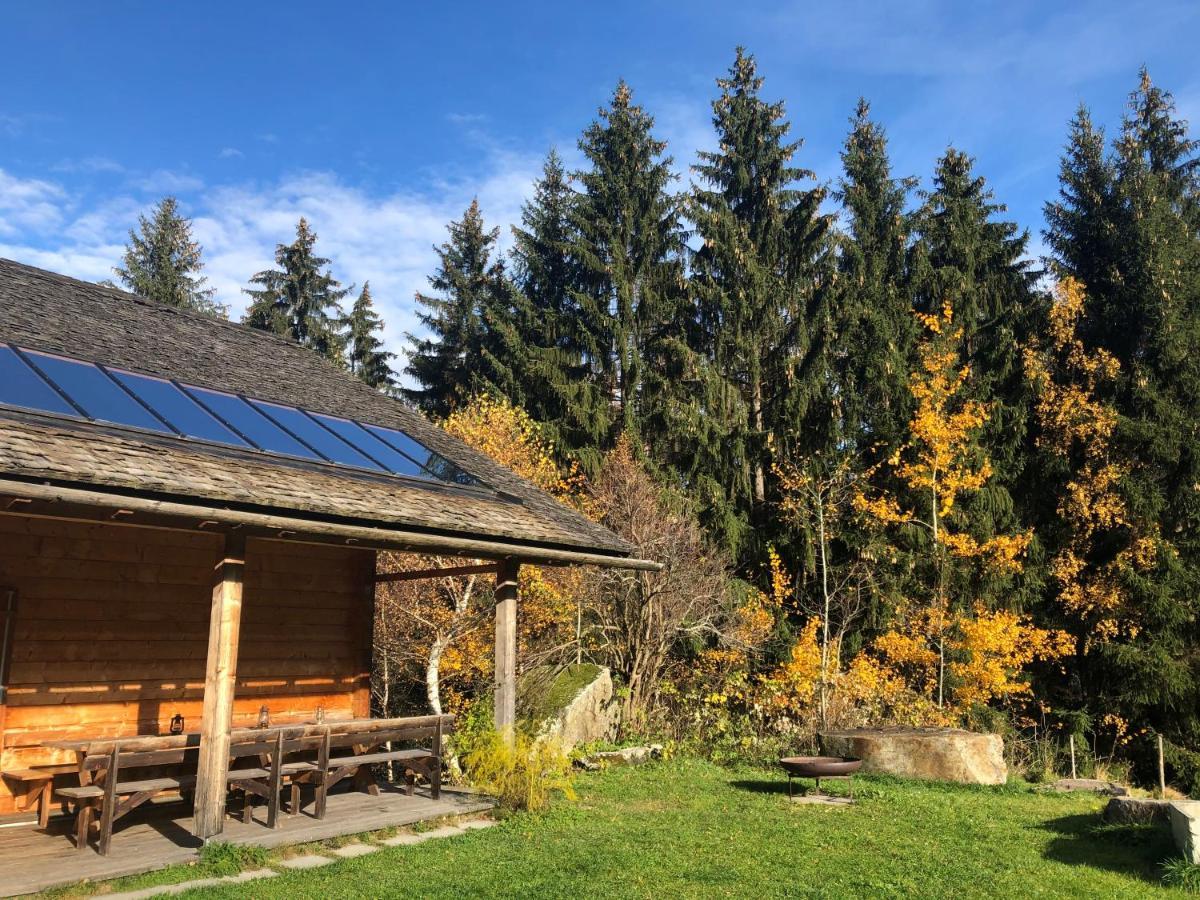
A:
x: 572, y: 703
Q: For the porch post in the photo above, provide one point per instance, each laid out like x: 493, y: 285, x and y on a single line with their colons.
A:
x: 506, y: 645
x: 223, y: 627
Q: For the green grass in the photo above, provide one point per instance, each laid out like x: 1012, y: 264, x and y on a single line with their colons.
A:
x: 692, y: 829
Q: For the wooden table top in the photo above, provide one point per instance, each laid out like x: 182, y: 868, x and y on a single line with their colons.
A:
x: 189, y: 739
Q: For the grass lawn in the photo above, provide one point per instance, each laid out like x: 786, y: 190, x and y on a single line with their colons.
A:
x: 692, y: 829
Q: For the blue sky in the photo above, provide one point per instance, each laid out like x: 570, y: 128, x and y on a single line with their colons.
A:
x: 380, y: 121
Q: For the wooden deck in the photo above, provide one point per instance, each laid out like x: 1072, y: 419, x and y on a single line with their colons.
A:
x: 158, y: 835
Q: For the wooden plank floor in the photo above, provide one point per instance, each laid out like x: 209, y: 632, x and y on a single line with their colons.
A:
x: 158, y: 835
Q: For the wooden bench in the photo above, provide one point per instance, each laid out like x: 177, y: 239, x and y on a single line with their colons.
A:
x: 37, y: 786
x: 109, y: 796
x: 350, y: 752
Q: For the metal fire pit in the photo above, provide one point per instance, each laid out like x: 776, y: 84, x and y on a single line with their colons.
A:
x: 818, y: 767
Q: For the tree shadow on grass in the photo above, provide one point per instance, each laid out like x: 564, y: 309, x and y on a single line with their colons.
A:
x: 1133, y: 850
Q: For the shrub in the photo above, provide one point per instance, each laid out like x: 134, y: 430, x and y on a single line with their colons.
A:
x: 521, y: 772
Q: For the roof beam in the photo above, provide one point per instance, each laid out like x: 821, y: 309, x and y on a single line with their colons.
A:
x: 444, y: 572
x: 81, y: 504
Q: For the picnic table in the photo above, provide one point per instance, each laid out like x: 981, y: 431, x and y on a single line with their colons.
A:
x: 343, y: 749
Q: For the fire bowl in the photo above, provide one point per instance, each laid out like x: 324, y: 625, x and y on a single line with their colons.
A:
x: 820, y: 766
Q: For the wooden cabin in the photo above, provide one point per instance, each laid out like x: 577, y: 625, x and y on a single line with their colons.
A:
x: 190, y: 512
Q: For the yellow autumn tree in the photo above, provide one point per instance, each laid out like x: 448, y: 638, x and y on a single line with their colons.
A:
x: 438, y: 630
x: 939, y: 465
x: 1076, y: 427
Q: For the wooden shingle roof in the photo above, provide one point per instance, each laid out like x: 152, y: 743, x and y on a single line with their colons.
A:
x: 44, y: 311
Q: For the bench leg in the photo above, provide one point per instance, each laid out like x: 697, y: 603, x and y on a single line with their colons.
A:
x: 322, y: 791
x: 410, y: 782
x: 273, y: 801
x: 45, y: 798
x: 247, y: 808
x: 294, y: 805
x: 83, y: 824
x: 435, y: 778
x: 106, y: 827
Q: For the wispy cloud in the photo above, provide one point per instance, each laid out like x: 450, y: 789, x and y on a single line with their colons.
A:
x: 387, y: 238
x: 230, y: 153
x: 89, y: 164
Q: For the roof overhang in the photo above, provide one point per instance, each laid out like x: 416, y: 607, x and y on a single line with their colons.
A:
x: 48, y: 500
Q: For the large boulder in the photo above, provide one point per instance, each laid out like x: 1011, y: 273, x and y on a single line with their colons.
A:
x: 938, y: 754
x: 573, y: 705
x: 1185, y: 825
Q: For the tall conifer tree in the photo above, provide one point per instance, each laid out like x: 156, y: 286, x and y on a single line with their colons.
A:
x: 557, y: 390
x: 449, y: 365
x: 301, y: 299
x: 762, y: 319
x: 1128, y: 227
x: 878, y: 331
x: 163, y: 262
x: 364, y: 347
x: 629, y: 247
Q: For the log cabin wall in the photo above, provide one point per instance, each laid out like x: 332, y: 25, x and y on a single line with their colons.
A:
x: 111, y: 632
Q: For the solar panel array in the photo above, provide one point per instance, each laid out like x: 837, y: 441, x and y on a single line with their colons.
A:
x: 32, y: 379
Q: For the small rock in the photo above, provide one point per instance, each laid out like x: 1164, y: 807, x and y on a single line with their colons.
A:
x: 308, y: 861
x: 1185, y: 825
x: 1136, y: 811
x: 1107, y: 788
x: 629, y: 756
x: 350, y: 851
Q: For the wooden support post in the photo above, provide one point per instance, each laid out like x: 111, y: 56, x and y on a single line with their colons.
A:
x: 1162, y: 771
x: 506, y: 645
x: 220, y: 677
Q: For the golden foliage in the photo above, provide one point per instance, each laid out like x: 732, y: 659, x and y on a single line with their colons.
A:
x: 1077, y: 426
x: 519, y: 771
x: 448, y: 617
x: 940, y: 461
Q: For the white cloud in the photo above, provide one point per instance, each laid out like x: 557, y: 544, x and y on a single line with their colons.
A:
x: 230, y: 153
x: 29, y: 205
x: 386, y: 238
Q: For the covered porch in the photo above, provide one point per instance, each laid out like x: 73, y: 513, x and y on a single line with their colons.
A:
x: 159, y: 835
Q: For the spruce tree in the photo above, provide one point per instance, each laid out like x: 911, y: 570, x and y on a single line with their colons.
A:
x: 1128, y: 227
x: 446, y: 364
x: 163, y: 262
x: 556, y: 387
x: 629, y: 247
x: 364, y: 347
x: 877, y: 331
x: 762, y: 320
x: 301, y: 299
x: 969, y: 257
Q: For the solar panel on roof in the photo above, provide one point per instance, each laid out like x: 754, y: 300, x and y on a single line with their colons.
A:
x: 45, y: 382
x: 256, y: 427
x: 185, y: 414
x: 315, y: 435
x: 438, y: 466
x: 21, y: 386
x: 387, y: 455
x: 94, y: 392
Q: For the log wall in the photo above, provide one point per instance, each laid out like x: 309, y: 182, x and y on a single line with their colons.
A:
x: 111, y: 633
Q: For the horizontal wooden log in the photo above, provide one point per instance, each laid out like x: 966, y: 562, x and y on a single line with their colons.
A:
x: 90, y: 505
x: 447, y: 572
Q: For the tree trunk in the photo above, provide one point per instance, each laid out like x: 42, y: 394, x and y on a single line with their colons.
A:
x: 433, y: 690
